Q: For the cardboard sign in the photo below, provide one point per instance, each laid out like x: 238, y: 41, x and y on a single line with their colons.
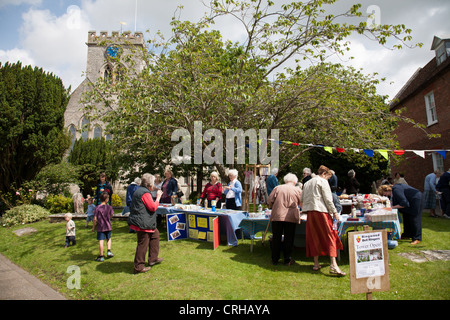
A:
x: 193, y: 226
x: 369, y: 261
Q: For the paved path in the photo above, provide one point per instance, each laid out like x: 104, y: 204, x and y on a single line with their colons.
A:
x: 17, y: 284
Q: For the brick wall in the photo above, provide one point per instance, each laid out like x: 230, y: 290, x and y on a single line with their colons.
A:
x: 414, y: 167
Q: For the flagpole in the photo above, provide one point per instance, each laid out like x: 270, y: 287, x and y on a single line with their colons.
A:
x: 135, y: 17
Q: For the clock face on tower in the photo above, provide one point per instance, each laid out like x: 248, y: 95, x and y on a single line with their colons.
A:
x: 112, y: 51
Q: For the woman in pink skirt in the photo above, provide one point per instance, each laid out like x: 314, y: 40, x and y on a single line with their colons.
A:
x: 321, y: 239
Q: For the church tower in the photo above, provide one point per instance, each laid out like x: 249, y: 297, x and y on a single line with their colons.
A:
x: 103, y: 63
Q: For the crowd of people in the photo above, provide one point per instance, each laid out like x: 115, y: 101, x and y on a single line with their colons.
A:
x: 315, y: 196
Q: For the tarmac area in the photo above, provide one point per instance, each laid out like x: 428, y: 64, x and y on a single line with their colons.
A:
x: 18, y: 284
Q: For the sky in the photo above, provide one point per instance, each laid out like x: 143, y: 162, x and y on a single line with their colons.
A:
x: 51, y: 34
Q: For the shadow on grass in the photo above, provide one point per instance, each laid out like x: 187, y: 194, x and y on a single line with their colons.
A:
x: 110, y: 266
x: 261, y: 256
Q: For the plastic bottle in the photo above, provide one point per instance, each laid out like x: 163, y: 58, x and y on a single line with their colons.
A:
x: 174, y: 198
x: 213, y: 205
x: 260, y: 208
x: 334, y: 224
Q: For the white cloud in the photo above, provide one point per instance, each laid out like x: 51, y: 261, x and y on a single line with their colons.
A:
x: 57, y: 43
x: 4, y: 3
x: 15, y: 55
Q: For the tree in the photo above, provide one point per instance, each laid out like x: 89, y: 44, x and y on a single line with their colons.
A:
x: 32, y: 132
x: 196, y: 76
x: 92, y: 157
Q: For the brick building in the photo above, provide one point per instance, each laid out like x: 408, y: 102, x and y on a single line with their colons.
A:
x: 426, y: 99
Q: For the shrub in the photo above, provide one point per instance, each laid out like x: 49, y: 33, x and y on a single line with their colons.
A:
x: 23, y: 214
x: 116, y: 201
x: 59, y: 204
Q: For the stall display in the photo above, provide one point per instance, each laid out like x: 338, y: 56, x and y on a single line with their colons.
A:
x: 255, y: 190
x: 193, y: 226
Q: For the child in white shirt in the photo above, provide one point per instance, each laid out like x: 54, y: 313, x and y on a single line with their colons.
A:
x: 70, y: 230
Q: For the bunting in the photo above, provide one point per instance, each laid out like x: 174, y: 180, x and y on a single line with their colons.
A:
x: 368, y: 152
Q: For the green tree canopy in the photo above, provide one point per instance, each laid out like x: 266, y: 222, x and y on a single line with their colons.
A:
x: 32, y: 132
x: 92, y: 157
x: 197, y: 76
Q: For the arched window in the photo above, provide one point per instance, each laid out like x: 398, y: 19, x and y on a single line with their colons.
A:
x: 97, y: 132
x: 85, y: 128
x: 107, y: 74
x: 73, y: 135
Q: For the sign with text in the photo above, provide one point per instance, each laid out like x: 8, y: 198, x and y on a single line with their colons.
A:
x: 369, y: 261
x: 193, y: 226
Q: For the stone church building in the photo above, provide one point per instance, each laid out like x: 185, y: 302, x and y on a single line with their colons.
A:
x: 101, y: 65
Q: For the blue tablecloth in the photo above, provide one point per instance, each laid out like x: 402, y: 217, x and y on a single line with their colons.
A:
x: 229, y: 220
x: 255, y: 225
x: 394, y: 225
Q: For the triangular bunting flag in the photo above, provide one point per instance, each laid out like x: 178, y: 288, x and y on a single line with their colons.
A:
x: 340, y: 150
x: 442, y: 153
x: 295, y: 144
x: 329, y: 149
x: 368, y: 152
x: 384, y: 153
x: 419, y: 153
x: 399, y: 152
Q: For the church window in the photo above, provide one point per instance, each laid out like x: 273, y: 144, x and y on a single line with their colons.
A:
x: 97, y: 132
x: 85, y: 128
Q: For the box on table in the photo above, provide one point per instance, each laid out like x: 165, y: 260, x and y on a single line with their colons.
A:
x: 384, y: 214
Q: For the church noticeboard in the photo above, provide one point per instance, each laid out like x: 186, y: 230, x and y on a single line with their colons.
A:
x: 369, y: 261
x: 193, y: 226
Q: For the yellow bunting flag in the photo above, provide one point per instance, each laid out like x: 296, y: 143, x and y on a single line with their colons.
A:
x: 329, y: 149
x: 384, y: 153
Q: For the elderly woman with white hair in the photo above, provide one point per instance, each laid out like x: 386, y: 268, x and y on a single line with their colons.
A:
x: 285, y: 201
x: 142, y: 219
x: 233, y: 191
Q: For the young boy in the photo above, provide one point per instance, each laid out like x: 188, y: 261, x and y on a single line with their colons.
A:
x: 90, y: 210
x: 70, y: 230
x: 102, y: 220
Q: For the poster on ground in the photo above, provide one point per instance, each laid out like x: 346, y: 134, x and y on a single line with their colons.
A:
x: 369, y: 261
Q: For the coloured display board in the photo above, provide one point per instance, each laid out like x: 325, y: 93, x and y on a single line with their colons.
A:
x: 369, y: 261
x: 193, y: 226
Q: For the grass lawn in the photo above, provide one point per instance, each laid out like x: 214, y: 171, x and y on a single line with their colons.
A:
x: 192, y: 270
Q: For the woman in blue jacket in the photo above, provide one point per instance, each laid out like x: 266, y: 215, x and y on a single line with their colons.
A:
x: 168, y: 187
x: 233, y: 191
x: 408, y: 201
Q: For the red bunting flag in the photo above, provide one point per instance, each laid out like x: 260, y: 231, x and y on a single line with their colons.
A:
x: 340, y: 150
x: 399, y: 152
x: 295, y: 144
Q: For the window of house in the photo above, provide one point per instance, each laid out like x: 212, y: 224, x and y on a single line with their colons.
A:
x: 438, y: 162
x: 441, y: 54
x: 431, y: 109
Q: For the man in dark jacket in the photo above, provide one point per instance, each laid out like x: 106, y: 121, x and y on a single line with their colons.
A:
x: 142, y: 219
